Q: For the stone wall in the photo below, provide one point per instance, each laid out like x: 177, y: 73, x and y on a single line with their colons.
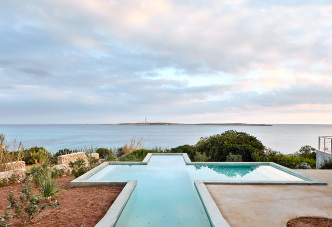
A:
x: 65, y: 159
x: 321, y: 157
x: 13, y: 165
x: 8, y: 174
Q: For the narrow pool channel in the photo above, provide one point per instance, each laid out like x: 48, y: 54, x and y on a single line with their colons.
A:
x: 165, y: 194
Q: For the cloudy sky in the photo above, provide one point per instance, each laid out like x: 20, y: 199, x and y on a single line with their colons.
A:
x: 189, y: 61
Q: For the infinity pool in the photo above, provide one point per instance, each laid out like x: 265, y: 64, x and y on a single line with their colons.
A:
x: 165, y: 194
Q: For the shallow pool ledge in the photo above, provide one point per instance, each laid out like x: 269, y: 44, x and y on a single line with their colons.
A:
x: 210, y: 206
x: 115, y: 210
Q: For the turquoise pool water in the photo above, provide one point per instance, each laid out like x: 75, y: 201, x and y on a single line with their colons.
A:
x: 165, y: 194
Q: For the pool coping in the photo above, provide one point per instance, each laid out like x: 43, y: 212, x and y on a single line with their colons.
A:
x: 215, y: 216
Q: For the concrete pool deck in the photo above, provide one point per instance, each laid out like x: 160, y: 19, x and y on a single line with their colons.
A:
x: 273, y: 205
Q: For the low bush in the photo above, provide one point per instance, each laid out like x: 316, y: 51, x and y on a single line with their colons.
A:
x: 327, y: 165
x: 13, y: 178
x: 103, y: 152
x: 290, y: 161
x: 36, y: 155
x: 4, y: 182
x: 303, y: 166
x: 35, y: 173
x: 137, y: 155
x: 106, y: 154
x: 233, y: 158
x: 57, y: 172
x: 200, y: 157
x: 306, y: 152
x: 79, y: 167
x: 189, y: 149
x: 218, y: 147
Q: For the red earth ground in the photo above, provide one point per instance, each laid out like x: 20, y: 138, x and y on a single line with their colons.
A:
x: 310, y: 222
x: 83, y: 206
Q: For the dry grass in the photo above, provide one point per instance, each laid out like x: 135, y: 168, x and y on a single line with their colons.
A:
x: 132, y: 145
x: 7, y: 156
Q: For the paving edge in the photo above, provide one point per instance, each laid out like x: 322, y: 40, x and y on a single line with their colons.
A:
x: 215, y: 216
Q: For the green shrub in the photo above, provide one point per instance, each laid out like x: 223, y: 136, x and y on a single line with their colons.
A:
x: 290, y: 161
x: 137, y: 155
x: 35, y: 155
x: 78, y: 167
x: 200, y: 157
x: 217, y: 147
x: 303, y: 166
x: 327, y: 165
x: 57, y: 172
x: 258, y: 156
x: 4, y: 182
x: 13, y: 178
x: 105, y: 154
x: 4, y: 220
x: 190, y: 150
x: 233, y: 158
x: 36, y: 173
x: 110, y: 158
x: 93, y: 162
x: 307, y: 152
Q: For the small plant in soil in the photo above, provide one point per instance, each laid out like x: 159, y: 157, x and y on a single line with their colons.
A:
x: 4, y: 220
x: 78, y: 167
x: 49, y: 186
x: 4, y: 182
x: 28, y: 206
x: 36, y: 173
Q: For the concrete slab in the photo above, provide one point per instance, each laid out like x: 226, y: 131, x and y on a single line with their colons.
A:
x: 273, y: 205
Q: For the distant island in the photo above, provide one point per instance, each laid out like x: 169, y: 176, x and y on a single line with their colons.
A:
x: 165, y: 123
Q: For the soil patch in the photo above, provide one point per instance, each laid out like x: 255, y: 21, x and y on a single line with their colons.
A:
x: 310, y: 222
x: 82, y: 206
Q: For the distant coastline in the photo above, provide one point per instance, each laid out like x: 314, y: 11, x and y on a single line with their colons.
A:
x: 165, y: 123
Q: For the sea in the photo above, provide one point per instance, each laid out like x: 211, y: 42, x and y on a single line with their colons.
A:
x: 286, y: 138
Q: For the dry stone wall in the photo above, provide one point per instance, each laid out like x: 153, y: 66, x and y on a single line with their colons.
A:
x: 17, y: 168
x: 13, y: 165
x: 65, y: 159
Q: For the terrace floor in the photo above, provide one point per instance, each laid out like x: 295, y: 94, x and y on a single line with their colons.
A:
x: 273, y: 205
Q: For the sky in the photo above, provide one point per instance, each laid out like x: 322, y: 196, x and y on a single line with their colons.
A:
x: 185, y: 61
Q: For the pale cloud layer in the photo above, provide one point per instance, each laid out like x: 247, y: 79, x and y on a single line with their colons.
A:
x: 103, y: 61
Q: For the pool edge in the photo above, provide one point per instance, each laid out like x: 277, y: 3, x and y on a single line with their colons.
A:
x: 214, y: 215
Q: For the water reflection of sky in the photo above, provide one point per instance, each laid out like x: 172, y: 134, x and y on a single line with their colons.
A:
x: 222, y: 172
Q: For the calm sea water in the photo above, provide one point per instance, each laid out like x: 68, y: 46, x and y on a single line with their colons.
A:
x: 284, y: 138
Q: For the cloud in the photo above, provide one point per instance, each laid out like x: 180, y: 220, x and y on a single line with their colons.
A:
x: 185, y: 60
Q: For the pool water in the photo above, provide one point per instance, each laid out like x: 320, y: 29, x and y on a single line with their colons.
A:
x: 165, y: 194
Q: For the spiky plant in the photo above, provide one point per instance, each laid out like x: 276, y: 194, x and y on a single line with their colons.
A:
x: 49, y: 186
